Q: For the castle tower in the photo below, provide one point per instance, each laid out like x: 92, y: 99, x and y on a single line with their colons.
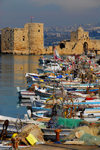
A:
x: 35, y: 36
x: 27, y: 40
x: 80, y: 34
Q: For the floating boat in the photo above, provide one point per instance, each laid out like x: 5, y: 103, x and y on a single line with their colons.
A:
x: 42, y: 93
x: 93, y: 103
x: 25, y: 93
x: 40, y: 114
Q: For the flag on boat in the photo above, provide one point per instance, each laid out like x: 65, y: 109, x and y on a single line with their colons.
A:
x: 56, y: 55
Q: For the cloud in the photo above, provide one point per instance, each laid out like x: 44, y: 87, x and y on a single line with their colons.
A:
x: 18, y: 12
x: 69, y: 5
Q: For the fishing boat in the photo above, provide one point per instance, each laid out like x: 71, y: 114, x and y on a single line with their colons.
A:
x: 40, y: 114
x: 63, y: 126
x: 42, y: 93
x: 41, y: 76
x: 45, y: 60
x: 8, y: 145
x: 50, y: 133
x: 25, y: 93
x: 33, y: 90
x: 33, y: 100
x: 12, y: 125
x: 75, y: 93
x: 90, y: 114
x: 91, y: 55
x: 56, y: 57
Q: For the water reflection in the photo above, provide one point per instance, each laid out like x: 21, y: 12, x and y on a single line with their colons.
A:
x: 22, y: 65
x: 12, y: 74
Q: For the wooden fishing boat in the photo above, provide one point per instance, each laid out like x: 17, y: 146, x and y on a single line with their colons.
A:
x: 90, y: 118
x: 12, y: 125
x: 40, y: 114
x: 25, y: 93
x: 91, y: 55
x: 34, y: 75
x: 34, y: 100
x: 79, y: 85
x: 90, y: 114
x: 50, y: 133
x: 7, y: 146
x: 42, y: 93
x: 43, y: 61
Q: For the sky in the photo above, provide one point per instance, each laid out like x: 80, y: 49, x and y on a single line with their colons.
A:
x: 15, y: 13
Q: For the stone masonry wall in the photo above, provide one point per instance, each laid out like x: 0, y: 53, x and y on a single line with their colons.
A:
x: 7, y: 40
x: 20, y: 41
x: 30, y: 40
x: 27, y: 40
x: 35, y: 38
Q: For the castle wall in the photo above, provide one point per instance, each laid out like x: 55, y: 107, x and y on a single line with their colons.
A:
x: 48, y: 50
x: 20, y: 41
x: 7, y: 40
x: 30, y: 40
x: 70, y: 48
x: 74, y: 36
x: 96, y: 44
x: 76, y: 45
x: 27, y: 40
x: 82, y: 35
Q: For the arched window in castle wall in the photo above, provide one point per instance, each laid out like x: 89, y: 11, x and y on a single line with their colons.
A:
x: 62, y: 45
x: 23, y: 38
x: 85, y: 47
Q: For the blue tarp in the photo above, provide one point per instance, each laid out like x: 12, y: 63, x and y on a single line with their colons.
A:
x: 60, y: 76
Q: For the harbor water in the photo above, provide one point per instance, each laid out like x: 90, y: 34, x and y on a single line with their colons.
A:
x: 12, y: 75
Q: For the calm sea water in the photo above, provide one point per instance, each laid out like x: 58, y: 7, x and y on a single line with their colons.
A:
x: 12, y: 75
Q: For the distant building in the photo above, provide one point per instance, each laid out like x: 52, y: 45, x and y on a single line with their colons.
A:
x: 27, y: 40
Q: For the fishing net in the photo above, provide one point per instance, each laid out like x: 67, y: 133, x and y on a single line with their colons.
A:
x: 90, y: 139
x: 69, y: 123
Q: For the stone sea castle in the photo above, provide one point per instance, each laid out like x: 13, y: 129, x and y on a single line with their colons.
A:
x: 30, y: 40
